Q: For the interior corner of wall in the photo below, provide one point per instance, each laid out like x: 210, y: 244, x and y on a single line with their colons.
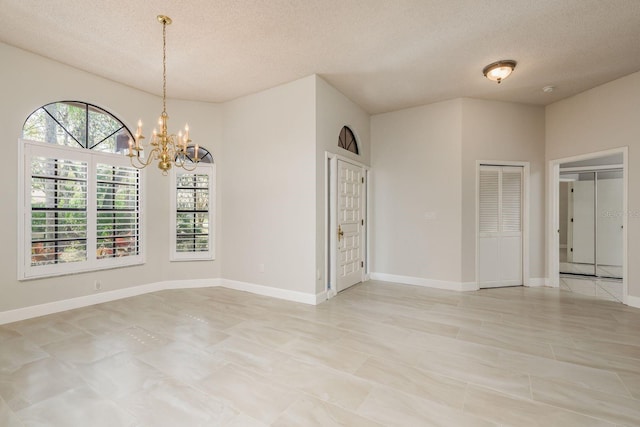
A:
x: 633, y: 301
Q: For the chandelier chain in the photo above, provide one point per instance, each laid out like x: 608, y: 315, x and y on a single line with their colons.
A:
x: 164, y: 66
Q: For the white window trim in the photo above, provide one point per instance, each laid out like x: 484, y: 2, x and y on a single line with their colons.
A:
x: 92, y: 158
x: 201, y: 168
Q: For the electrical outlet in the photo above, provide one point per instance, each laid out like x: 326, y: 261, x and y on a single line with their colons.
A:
x: 97, y: 285
x: 261, y: 268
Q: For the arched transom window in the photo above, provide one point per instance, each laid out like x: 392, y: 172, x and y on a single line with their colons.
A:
x: 77, y: 124
x: 347, y: 140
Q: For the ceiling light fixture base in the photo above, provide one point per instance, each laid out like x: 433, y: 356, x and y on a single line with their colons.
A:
x: 164, y: 19
x: 499, y: 70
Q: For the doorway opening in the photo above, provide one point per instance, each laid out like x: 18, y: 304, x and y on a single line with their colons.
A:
x: 587, y: 241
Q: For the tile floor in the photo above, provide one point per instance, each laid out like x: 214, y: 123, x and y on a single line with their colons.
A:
x: 609, y: 289
x: 612, y: 271
x: 379, y: 354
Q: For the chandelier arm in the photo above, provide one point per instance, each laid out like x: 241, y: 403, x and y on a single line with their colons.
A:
x: 183, y: 164
x: 180, y: 156
x: 139, y: 163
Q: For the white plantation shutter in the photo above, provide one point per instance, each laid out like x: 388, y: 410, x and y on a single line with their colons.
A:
x: 192, y: 213
x: 489, y: 199
x: 511, y: 199
x: 58, y: 210
x: 118, y: 214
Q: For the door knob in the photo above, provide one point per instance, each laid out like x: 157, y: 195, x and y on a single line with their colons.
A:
x: 340, y: 233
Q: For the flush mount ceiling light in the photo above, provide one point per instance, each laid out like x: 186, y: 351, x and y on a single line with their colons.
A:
x: 499, y: 70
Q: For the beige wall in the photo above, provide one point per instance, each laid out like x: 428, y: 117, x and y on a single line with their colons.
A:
x: 333, y: 111
x: 268, y: 188
x: 424, y: 184
x: 603, y: 118
x: 509, y: 132
x: 30, y: 81
x: 416, y: 182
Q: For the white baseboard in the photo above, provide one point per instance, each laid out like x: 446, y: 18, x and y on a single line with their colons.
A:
x: 72, y: 303
x: 272, y: 292
x: 428, y: 283
x: 18, y: 314
x: 187, y: 284
x: 321, y: 297
x: 633, y: 301
x: 536, y: 282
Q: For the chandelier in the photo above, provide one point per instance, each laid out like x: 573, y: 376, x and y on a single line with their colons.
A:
x: 167, y: 149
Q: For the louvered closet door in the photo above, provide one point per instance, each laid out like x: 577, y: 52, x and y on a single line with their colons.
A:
x: 500, y: 226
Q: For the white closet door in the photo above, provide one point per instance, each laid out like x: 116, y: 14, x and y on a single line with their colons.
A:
x: 500, y: 226
x: 609, y: 226
x: 583, y: 215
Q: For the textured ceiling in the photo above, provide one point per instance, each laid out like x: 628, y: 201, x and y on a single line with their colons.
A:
x: 383, y: 54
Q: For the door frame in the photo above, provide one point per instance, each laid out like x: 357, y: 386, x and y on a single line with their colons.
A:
x: 331, y: 219
x: 525, y: 215
x: 553, y: 214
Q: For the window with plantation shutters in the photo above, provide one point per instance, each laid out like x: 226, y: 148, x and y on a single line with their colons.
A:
x: 79, y: 196
x: 193, y: 204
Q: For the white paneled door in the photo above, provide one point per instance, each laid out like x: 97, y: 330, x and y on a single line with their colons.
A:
x: 500, y: 226
x: 350, y: 225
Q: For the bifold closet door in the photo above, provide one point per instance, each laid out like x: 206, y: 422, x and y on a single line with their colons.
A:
x: 500, y: 226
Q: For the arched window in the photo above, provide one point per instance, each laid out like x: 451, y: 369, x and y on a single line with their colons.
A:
x: 77, y: 124
x: 193, y: 205
x: 347, y: 140
x: 82, y: 202
x: 204, y: 156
